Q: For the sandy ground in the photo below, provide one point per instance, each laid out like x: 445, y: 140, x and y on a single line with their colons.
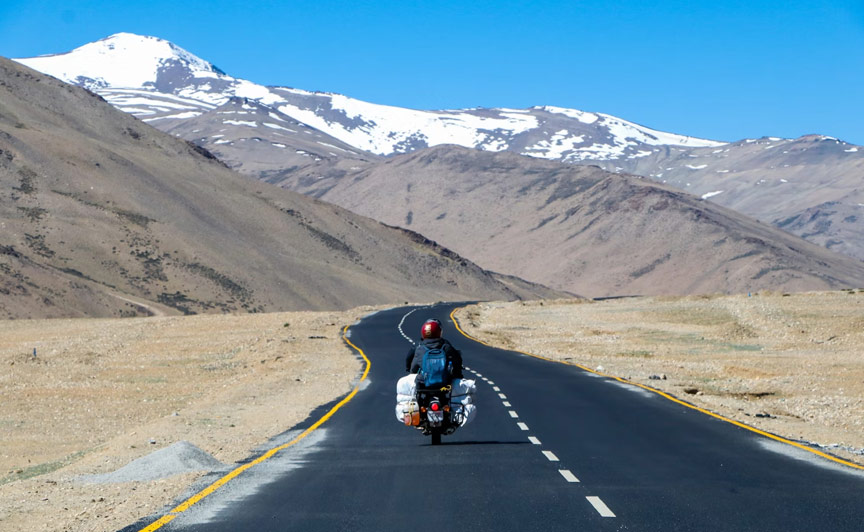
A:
x: 792, y: 365
x: 101, y: 393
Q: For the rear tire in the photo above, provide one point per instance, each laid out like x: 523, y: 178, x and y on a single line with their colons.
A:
x: 436, y: 438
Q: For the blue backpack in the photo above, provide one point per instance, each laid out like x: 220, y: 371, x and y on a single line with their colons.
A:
x: 433, y: 369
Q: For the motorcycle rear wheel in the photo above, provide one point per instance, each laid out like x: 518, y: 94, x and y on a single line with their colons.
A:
x: 436, y: 438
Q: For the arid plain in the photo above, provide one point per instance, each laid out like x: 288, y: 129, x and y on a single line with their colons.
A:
x: 101, y: 393
x: 788, y: 364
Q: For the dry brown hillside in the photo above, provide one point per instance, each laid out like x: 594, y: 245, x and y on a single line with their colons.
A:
x: 586, y: 230
x: 102, y: 215
x: 809, y: 186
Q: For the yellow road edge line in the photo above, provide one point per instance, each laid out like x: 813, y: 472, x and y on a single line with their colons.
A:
x: 667, y: 396
x: 185, y: 505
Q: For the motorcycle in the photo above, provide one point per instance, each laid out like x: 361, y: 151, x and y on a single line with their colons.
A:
x: 435, y: 412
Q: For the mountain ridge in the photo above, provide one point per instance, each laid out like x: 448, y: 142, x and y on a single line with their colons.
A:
x: 375, y: 128
x: 770, y: 179
x: 103, y: 215
x: 586, y: 230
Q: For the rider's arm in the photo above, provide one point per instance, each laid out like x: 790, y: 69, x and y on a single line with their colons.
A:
x: 409, y: 359
x: 456, y: 356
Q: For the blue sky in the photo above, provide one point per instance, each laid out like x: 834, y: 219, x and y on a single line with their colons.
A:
x: 723, y: 70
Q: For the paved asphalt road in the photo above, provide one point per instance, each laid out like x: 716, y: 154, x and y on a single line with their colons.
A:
x: 552, y: 448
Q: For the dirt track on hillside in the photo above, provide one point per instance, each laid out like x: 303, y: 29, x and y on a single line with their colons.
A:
x: 792, y: 365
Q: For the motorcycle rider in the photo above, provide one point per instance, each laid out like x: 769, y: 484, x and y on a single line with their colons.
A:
x: 430, y: 335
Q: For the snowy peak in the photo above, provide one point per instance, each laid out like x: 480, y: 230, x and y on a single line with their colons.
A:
x: 162, y: 84
x: 124, y: 60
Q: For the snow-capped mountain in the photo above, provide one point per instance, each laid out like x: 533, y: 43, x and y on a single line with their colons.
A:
x: 309, y: 141
x: 148, y: 77
x: 161, y: 83
x: 123, y: 60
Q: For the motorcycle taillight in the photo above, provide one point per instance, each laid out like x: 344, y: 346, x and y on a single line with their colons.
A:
x: 434, y: 407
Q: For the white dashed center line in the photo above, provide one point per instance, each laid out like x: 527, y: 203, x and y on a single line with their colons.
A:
x: 568, y: 476
x: 596, y: 502
x: 401, y: 323
x: 600, y: 506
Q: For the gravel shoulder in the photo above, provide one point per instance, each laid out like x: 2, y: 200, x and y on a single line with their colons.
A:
x: 99, y: 394
x: 788, y: 364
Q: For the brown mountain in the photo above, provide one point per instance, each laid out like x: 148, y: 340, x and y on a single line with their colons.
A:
x: 102, y: 215
x: 586, y: 230
x: 812, y: 186
x: 833, y: 224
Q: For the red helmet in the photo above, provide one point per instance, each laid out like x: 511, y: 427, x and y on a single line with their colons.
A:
x: 431, y: 329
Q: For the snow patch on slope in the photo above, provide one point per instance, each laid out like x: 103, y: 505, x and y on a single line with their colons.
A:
x: 558, y: 145
x: 582, y: 116
x: 384, y: 129
x: 622, y: 129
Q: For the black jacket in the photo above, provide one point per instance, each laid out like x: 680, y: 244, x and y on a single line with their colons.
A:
x: 415, y: 355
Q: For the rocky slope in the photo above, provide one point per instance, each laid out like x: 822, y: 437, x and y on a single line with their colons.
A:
x: 586, y: 230
x: 812, y: 186
x: 102, y: 215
